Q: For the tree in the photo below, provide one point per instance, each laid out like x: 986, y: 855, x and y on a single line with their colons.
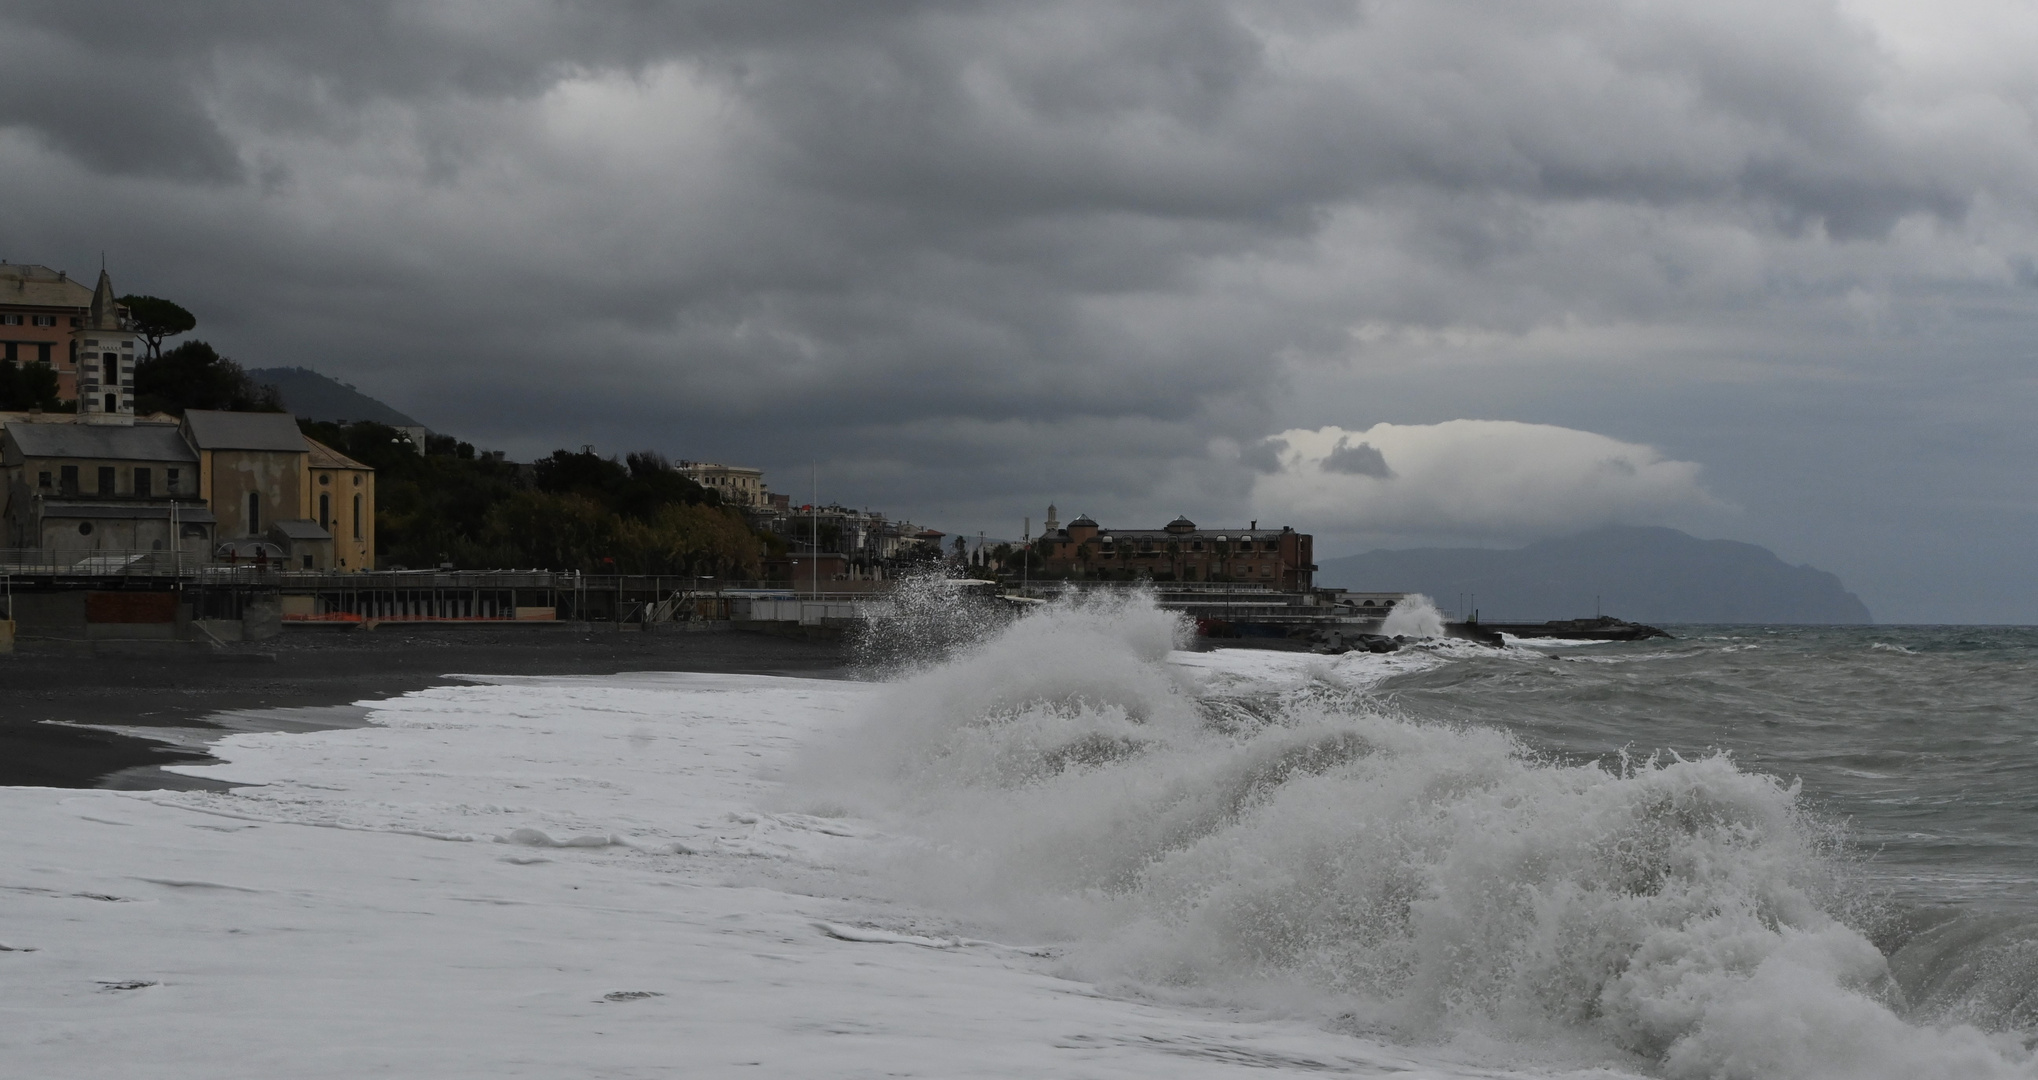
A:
x: 556, y: 532
x: 194, y: 376
x: 638, y: 489
x: 28, y: 386
x: 156, y: 319
x: 694, y: 540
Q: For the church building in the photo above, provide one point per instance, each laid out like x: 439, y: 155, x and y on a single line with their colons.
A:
x: 101, y: 482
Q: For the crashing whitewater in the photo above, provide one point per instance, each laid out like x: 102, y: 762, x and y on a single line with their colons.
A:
x: 1272, y: 836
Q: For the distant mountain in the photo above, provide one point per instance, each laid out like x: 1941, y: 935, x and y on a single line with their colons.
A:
x: 312, y: 396
x: 1649, y: 575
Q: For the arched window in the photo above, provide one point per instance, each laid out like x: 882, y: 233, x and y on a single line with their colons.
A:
x: 357, y: 515
x: 254, y: 512
x: 325, y: 511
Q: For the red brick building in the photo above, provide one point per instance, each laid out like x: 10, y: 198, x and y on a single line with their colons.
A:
x: 1278, y: 558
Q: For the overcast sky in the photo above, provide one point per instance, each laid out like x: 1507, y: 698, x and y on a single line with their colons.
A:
x: 1396, y: 273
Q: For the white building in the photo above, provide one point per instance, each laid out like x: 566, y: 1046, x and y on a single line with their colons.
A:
x: 738, y: 485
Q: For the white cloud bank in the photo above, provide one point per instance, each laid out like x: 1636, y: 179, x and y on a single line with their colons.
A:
x: 1469, y: 481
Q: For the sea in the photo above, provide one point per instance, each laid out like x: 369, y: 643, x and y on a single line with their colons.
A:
x: 1742, y: 851
x: 1070, y: 842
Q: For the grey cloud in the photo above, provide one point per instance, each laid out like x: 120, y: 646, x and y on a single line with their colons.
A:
x: 1264, y: 456
x: 1006, y: 250
x: 1363, y: 459
x: 117, y: 115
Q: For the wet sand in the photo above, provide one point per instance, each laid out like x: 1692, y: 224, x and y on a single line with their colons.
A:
x: 307, y: 669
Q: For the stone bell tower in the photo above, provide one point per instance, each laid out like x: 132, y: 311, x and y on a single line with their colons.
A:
x: 104, y: 350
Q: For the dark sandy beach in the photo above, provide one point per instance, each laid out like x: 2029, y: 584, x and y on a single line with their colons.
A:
x: 313, y: 669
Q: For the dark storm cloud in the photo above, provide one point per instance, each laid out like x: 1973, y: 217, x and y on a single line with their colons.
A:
x: 1263, y: 456
x: 973, y: 251
x: 1363, y: 459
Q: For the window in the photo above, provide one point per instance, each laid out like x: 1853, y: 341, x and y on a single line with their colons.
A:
x: 170, y: 479
x: 45, y: 320
x: 10, y: 320
x: 11, y: 352
x: 324, y: 479
x: 70, y: 479
x: 357, y: 515
x: 144, y: 483
x: 254, y: 512
x: 42, y: 352
x: 105, y: 479
x: 307, y: 562
x: 357, y: 479
x: 325, y: 512
x: 113, y: 403
x: 84, y: 528
x: 42, y: 479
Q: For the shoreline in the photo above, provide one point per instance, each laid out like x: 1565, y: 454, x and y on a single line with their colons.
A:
x: 47, y: 696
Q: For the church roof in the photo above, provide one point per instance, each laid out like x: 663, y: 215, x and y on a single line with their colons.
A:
x: 325, y: 457
x: 1084, y: 520
x: 105, y: 314
x: 213, y: 430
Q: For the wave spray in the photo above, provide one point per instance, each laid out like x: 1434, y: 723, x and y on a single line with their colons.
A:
x: 1414, y: 616
x: 1285, y: 842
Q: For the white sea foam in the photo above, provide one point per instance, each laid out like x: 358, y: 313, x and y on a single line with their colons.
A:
x: 1415, y: 616
x: 1285, y: 841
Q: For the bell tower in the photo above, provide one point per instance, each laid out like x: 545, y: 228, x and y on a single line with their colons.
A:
x: 104, y: 349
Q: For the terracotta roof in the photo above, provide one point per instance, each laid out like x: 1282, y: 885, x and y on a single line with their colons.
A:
x: 40, y: 286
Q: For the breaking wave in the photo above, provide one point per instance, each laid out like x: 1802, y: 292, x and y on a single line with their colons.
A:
x: 1289, y: 843
x: 1415, y: 616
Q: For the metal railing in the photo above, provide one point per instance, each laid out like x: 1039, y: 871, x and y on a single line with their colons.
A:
x: 111, y: 562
